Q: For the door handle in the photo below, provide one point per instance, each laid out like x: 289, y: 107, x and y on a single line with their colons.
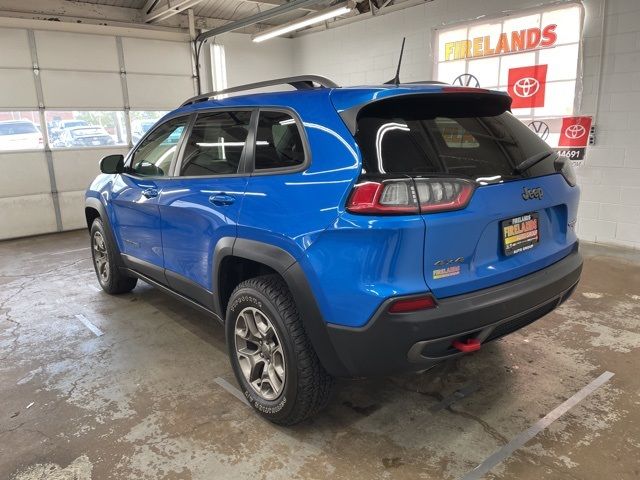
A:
x: 150, y: 192
x: 221, y: 199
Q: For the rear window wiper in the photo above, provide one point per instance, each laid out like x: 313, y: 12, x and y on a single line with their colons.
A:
x: 532, y: 160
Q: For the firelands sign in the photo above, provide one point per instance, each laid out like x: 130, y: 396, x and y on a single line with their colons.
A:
x: 516, y: 41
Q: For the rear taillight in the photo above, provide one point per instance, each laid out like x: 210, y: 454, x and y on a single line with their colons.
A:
x: 410, y: 196
x: 566, y: 169
x: 441, y: 195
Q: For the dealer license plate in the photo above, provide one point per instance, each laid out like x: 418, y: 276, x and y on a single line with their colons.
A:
x: 520, y: 234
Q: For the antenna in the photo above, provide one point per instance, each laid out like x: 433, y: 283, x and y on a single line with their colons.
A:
x: 396, y: 80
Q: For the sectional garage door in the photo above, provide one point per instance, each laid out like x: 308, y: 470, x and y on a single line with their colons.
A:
x: 66, y: 100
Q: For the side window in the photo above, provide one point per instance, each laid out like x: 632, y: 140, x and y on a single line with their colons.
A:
x: 154, y: 155
x: 216, y: 144
x: 278, y: 142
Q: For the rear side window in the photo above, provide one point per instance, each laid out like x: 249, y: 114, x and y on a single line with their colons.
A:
x: 216, y: 144
x: 278, y: 142
x: 446, y: 134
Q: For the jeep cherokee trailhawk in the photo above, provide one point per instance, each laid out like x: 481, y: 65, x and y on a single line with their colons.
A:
x: 341, y: 231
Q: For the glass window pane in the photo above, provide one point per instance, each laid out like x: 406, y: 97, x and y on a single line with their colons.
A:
x: 449, y: 71
x: 559, y: 98
x: 446, y: 42
x: 486, y: 71
x: 559, y: 60
x: 517, y: 23
x: 85, y: 129
x: 216, y: 144
x: 278, y: 143
x: 154, y: 155
x: 515, y: 61
x: 568, y: 22
x: 142, y: 121
x: 20, y: 131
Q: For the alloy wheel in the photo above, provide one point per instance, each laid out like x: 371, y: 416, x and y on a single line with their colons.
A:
x: 100, y: 257
x: 260, y: 353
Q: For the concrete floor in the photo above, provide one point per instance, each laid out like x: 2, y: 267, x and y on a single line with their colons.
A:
x: 144, y: 399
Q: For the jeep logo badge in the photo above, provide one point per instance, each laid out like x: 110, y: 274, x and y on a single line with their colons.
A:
x: 531, y: 193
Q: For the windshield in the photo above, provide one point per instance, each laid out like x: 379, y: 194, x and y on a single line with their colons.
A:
x: 446, y: 136
x: 17, y: 128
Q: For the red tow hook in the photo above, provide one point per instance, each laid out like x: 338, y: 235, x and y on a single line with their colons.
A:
x: 470, y: 345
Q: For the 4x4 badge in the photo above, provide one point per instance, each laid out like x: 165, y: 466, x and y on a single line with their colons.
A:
x: 531, y: 193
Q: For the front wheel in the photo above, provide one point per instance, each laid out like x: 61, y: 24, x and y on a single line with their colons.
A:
x: 103, y: 253
x: 271, y: 355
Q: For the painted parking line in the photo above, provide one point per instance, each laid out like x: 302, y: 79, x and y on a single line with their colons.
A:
x: 500, y: 455
x: 231, y: 389
x: 96, y: 331
x: 69, y: 251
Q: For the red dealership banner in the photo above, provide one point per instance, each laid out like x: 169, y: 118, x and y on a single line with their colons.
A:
x: 575, y: 132
x: 527, y: 86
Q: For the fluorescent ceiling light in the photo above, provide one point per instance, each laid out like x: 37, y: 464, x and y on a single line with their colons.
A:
x: 304, y: 22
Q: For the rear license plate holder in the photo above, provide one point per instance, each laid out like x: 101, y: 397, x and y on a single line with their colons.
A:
x: 520, y: 234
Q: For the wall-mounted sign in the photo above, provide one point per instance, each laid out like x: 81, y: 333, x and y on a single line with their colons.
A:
x: 527, y: 86
x: 574, y: 138
x: 502, y: 43
x: 533, y: 56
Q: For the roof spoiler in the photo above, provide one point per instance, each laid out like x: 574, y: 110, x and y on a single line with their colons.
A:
x: 300, y: 82
x: 350, y: 115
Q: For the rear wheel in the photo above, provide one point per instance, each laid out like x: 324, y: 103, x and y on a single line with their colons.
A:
x: 111, y: 279
x: 272, y: 358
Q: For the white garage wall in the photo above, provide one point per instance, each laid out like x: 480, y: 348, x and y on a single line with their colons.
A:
x: 248, y: 62
x: 42, y: 191
x: 366, y: 52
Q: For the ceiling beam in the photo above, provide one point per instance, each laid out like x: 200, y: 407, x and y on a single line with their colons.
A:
x: 258, y: 17
x: 148, y: 6
x: 280, y: 2
x: 168, y: 12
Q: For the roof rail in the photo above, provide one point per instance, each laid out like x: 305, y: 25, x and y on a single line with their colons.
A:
x: 300, y: 82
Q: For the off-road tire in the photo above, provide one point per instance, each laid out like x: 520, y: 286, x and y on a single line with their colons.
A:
x: 307, y: 386
x: 115, y: 282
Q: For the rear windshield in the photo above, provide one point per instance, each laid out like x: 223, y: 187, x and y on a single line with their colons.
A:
x: 449, y: 134
x: 17, y: 128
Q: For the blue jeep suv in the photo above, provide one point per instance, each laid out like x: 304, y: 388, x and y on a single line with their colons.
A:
x: 340, y: 232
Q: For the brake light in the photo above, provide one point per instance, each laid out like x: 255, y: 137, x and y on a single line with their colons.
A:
x: 387, y: 198
x: 412, y: 304
x: 410, y: 196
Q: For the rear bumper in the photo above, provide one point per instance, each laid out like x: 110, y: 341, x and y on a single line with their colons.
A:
x: 414, y: 341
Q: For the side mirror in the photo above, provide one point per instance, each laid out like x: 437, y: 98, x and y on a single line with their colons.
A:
x: 112, y: 164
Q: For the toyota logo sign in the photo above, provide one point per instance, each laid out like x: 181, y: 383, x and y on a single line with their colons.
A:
x: 526, y: 87
x: 575, y: 131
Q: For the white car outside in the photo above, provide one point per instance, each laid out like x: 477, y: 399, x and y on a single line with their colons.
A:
x: 19, y: 135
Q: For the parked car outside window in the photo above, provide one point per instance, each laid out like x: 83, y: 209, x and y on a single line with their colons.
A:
x: 20, y: 135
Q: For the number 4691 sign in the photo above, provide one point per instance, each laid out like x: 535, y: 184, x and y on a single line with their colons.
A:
x: 574, y: 137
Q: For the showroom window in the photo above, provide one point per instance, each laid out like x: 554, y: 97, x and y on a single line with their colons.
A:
x: 142, y: 121
x: 85, y: 129
x: 532, y: 56
x: 278, y: 142
x: 20, y: 131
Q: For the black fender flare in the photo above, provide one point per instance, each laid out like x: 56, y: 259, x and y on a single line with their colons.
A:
x: 96, y: 204
x: 290, y: 270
